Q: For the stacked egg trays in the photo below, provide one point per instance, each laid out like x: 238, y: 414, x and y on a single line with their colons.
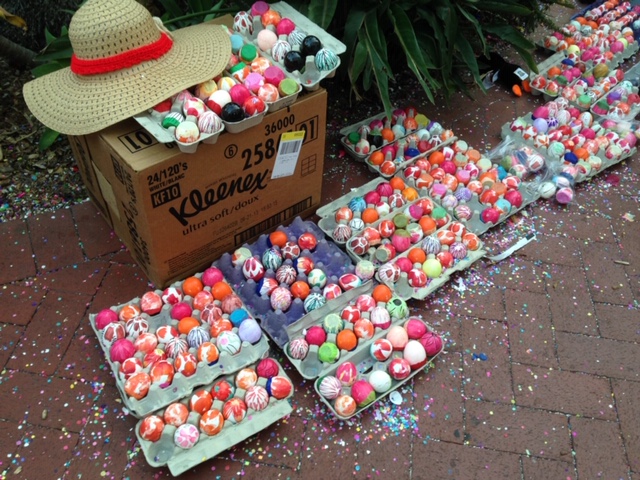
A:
x: 594, y: 23
x: 284, y: 276
x: 303, y: 50
x: 576, y: 148
x: 387, y: 145
x: 153, y: 358
x: 216, y: 416
x: 360, y: 332
x: 622, y: 102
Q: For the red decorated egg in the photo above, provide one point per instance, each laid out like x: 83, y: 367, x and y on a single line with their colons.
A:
x: 151, y: 428
x: 130, y: 366
x: 308, y: 241
x: 222, y: 390
x: 257, y: 398
x: 381, y: 349
x: 172, y: 295
x: 399, y: 368
x: 185, y: 363
x: 146, y: 342
x: 331, y: 291
x: 153, y: 356
x: 200, y: 401
x: 211, y: 422
x: 349, y: 281
x: 162, y: 373
x: 151, y: 303
x: 234, y: 410
x: 137, y: 385
x: 176, y: 414
x: 252, y: 269
x: 350, y: 313
x: 279, y: 387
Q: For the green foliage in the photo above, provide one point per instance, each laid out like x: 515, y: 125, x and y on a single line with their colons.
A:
x: 435, y: 39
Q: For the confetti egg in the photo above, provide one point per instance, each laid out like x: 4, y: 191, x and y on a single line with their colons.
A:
x: 279, y: 387
x: 341, y: 233
x: 307, y: 241
x: 415, y: 353
x: 176, y: 346
x: 267, y: 368
x: 298, y: 348
x: 347, y: 373
x: 186, y: 436
x: 332, y: 323
x: 345, y: 406
x: 130, y: 366
x: 186, y: 364
x: 330, y: 387
x: 257, y: 398
x: 176, y: 414
x: 432, y: 343
x: 415, y: 328
x: 243, y: 23
x: 303, y: 265
x: 347, y: 340
x: 380, y: 317
x: 234, y: 410
x: 208, y: 353
x: 317, y: 278
x: 200, y: 401
x: 162, y: 373
x: 389, y: 272
x: 137, y: 385
x: 113, y: 332
x: 151, y: 303
x: 364, y: 329
x: 399, y: 368
x: 351, y: 313
x: 286, y: 274
x: 105, y: 317
x: 281, y: 299
x: 246, y: 378
x: 331, y: 291
x: 211, y: 422
x: 172, y: 295
x: 266, y: 286
x: 397, y: 307
x: 197, y: 336
x: 381, y: 349
x: 151, y: 428
x: 291, y: 251
x: 380, y: 381
x: 314, y: 301
x: 122, y: 349
x: 328, y: 352
x: 222, y: 390
x: 272, y: 258
x: 363, y: 393
x: 252, y: 269
x: 229, y: 342
x: 250, y: 331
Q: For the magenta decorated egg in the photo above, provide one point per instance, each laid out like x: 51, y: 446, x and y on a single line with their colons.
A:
x: 279, y: 387
x: 252, y: 269
x: 349, y: 281
x: 151, y: 428
x: 399, y: 368
x: 281, y: 299
x: 415, y: 328
x: 330, y: 387
x: 365, y: 302
x: 180, y: 310
x: 172, y: 295
x: 315, y: 335
x: 363, y: 393
x: 347, y: 373
x: 105, y: 317
x: 257, y: 398
x: 381, y: 349
x: 267, y: 368
x: 432, y: 343
x: 186, y: 436
x: 122, y: 349
x: 291, y: 251
x: 211, y: 276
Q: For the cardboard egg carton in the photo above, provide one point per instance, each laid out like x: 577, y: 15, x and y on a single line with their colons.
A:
x: 165, y: 452
x: 181, y: 385
x: 327, y: 256
x: 310, y: 77
x: 365, y: 365
x: 405, y: 290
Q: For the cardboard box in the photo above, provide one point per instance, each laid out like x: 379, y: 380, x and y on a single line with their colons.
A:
x: 178, y: 212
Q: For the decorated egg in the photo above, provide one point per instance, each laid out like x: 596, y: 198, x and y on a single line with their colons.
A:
x: 399, y: 368
x: 279, y: 387
x: 363, y: 393
x: 267, y: 368
x: 208, y: 353
x: 151, y: 303
x: 105, y: 317
x: 397, y: 307
x: 186, y: 436
x: 307, y: 241
x: 162, y: 373
x: 381, y: 349
x: 346, y: 340
x: 317, y: 278
x: 112, y: 332
x: 286, y: 274
x: 304, y: 265
x: 246, y: 378
x: 272, y: 258
x: 314, y: 301
x: 347, y: 373
x: 229, y: 342
x: 364, y: 329
x: 351, y: 313
x: 240, y: 256
x: 175, y: 414
x: 252, y: 269
x: 211, y: 422
x: 122, y: 349
x: 137, y: 385
x: 330, y: 387
x: 380, y: 381
x: 298, y: 348
x: 415, y: 354
x: 257, y: 398
x: 200, y: 401
x: 130, y: 366
x: 328, y: 352
x: 222, y: 390
x: 380, y: 317
x: 234, y: 410
x: 176, y: 346
x: 344, y: 405
x: 291, y: 250
x: 331, y: 291
x: 185, y: 363
x: 432, y: 343
x: 281, y: 299
x: 151, y: 428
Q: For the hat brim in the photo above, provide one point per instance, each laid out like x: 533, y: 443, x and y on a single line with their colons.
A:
x: 77, y: 105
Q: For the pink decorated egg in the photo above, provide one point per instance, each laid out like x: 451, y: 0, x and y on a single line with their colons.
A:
x: 122, y: 349
x: 432, y: 343
x: 347, y: 373
x: 363, y: 393
x: 105, y: 317
x: 398, y: 337
x: 186, y: 436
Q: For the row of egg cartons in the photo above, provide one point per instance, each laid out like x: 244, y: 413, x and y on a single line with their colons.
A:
x: 285, y: 39
x: 575, y: 145
x: 372, y: 374
x: 289, y: 273
x: 165, y: 343
x: 604, y: 19
x: 215, y: 416
x: 622, y: 102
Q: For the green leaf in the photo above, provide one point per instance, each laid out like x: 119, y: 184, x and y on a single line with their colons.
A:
x: 48, y: 56
x: 353, y: 25
x: 506, y: 7
x: 41, y: 70
x: 473, y: 21
x: 172, y: 8
x: 322, y: 12
x: 48, y: 137
x: 381, y: 72
x: 407, y: 37
x: 376, y: 39
x: 48, y: 36
x: 511, y: 35
x: 468, y: 56
x: 359, y: 61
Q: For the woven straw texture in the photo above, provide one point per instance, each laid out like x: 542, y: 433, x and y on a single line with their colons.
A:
x: 80, y: 104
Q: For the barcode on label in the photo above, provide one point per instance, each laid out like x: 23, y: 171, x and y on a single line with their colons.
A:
x: 287, y: 148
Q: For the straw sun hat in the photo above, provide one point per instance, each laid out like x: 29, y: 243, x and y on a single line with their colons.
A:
x: 124, y: 62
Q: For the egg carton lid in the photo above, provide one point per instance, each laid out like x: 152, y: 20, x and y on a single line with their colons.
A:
x: 178, y: 460
x: 365, y: 364
x: 180, y: 386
